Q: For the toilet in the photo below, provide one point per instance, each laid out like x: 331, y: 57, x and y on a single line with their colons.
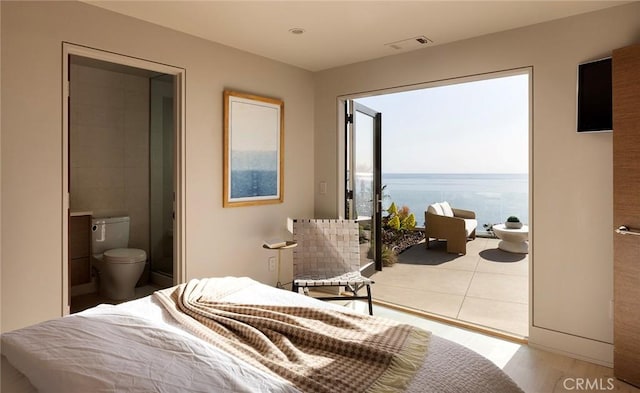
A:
x: 119, y: 267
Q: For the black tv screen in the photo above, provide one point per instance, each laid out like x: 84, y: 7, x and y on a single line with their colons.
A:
x: 595, y: 106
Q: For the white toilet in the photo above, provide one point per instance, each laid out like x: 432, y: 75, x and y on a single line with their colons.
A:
x: 119, y: 267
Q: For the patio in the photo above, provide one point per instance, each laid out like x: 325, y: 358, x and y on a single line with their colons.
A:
x: 487, y: 286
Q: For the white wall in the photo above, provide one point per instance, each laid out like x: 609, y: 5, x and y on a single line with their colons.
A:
x: 219, y: 241
x: 572, y: 251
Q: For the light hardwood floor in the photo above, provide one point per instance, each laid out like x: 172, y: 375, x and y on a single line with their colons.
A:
x: 534, y: 370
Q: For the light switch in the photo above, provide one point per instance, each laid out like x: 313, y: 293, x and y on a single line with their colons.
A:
x: 323, y: 188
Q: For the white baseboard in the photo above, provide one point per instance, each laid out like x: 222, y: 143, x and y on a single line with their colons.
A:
x: 575, y: 347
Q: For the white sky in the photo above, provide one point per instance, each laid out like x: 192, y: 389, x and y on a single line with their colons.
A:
x: 474, y: 127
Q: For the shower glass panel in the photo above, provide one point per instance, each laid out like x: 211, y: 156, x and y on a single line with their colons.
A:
x: 161, y: 177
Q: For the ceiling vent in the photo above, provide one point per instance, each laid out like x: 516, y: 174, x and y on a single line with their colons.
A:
x: 410, y: 43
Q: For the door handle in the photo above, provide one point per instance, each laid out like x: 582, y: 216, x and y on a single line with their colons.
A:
x: 624, y: 230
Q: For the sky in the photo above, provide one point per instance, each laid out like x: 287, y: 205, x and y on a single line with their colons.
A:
x: 473, y: 127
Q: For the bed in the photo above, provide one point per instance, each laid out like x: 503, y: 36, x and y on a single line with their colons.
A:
x: 143, y: 346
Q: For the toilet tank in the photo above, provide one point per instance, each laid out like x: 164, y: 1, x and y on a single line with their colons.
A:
x: 108, y: 233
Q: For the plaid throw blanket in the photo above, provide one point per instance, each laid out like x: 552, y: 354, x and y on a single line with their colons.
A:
x: 317, y: 350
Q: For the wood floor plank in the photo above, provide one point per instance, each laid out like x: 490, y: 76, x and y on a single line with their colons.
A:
x: 538, y: 371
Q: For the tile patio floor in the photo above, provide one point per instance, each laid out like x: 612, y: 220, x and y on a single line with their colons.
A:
x: 487, y: 286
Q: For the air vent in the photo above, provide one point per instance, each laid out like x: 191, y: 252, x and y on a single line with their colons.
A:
x: 410, y: 43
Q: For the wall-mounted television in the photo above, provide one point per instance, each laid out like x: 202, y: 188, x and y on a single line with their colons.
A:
x: 595, y: 102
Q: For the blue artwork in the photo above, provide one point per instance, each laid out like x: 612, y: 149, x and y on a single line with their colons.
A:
x: 253, y: 150
x: 254, y: 174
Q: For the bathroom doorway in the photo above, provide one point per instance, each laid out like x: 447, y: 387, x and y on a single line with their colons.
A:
x: 123, y: 133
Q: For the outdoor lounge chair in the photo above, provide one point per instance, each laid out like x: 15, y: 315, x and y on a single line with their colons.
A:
x: 453, y: 225
x: 328, y: 255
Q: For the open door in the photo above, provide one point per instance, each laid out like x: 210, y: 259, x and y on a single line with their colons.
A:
x: 626, y: 214
x: 363, y: 200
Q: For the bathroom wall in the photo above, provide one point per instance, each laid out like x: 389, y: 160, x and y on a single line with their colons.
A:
x: 109, y: 146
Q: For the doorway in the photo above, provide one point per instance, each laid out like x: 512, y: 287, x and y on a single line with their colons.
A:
x: 123, y: 141
x: 431, y: 153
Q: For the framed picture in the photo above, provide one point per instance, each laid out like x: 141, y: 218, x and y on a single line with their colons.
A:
x: 253, y: 150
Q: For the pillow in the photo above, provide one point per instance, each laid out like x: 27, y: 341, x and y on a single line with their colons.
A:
x: 446, y: 209
x: 435, y: 208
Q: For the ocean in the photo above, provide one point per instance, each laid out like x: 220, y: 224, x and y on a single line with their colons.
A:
x: 493, y: 197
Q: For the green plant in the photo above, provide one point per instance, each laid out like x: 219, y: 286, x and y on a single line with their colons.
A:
x: 392, y: 210
x: 394, y: 223
x: 397, y: 231
x: 399, y: 219
x: 513, y: 219
x: 389, y: 257
x: 409, y: 222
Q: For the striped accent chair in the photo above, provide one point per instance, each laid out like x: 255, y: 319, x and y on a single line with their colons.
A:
x: 328, y: 255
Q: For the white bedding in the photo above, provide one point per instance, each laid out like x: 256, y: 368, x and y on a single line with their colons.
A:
x: 138, y: 347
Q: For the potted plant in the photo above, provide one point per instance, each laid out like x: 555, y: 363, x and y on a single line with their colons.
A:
x: 513, y: 223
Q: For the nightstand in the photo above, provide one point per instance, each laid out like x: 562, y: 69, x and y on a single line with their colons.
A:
x: 289, y: 244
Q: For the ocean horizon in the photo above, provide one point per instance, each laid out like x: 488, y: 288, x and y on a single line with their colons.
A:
x: 492, y: 196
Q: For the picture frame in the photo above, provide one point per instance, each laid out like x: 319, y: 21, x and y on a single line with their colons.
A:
x: 253, y: 150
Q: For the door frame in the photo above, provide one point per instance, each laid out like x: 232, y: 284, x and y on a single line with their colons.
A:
x: 179, y: 239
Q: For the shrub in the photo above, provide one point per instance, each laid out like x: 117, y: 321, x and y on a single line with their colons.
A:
x: 403, y: 212
x: 389, y: 257
x: 397, y: 233
x: 409, y: 222
x: 394, y: 223
x: 399, y: 219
